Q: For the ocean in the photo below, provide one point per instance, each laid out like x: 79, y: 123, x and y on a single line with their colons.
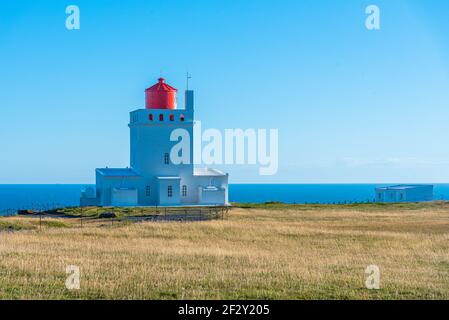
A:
x: 38, y: 197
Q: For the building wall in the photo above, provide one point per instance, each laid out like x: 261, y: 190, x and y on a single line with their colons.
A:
x: 164, y: 199
x: 422, y: 193
x: 105, y: 186
x: 158, y: 192
x: 150, y: 142
x: 209, y: 197
x: 220, y: 182
x: 411, y: 194
x: 124, y: 197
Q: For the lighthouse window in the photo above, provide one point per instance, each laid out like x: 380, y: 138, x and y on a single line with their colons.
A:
x: 161, y: 117
x: 170, y: 191
x: 151, y: 117
x: 182, y: 118
x: 166, y: 159
x: 148, y: 191
x: 184, y: 191
x: 172, y: 117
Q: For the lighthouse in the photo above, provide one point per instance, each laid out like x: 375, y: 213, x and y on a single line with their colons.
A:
x: 153, y: 179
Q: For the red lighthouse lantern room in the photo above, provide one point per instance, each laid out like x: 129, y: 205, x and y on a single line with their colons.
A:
x: 160, y: 96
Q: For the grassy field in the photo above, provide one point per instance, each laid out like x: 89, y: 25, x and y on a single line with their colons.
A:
x: 258, y: 252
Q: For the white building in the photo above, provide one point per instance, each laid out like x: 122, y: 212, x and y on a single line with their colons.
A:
x: 405, y: 193
x: 152, y: 179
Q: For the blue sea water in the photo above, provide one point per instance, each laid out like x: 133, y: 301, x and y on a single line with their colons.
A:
x: 13, y: 197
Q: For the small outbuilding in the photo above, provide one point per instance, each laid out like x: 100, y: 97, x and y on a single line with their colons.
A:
x: 405, y: 193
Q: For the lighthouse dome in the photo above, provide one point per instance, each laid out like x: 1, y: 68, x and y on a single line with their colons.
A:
x: 160, y: 96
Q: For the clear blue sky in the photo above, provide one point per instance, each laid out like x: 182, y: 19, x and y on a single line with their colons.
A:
x: 351, y: 105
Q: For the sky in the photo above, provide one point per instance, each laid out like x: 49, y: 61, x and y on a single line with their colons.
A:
x: 351, y: 105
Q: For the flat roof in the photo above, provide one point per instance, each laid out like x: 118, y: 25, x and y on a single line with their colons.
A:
x: 118, y: 172
x: 405, y: 187
x: 208, y: 172
x: 168, y: 178
x: 212, y: 188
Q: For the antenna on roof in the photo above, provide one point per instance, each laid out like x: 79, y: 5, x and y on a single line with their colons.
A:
x: 188, y: 77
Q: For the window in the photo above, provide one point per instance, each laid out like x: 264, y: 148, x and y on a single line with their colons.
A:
x: 148, y: 191
x: 184, y: 191
x: 151, y: 117
x: 172, y: 117
x: 161, y: 117
x: 166, y: 158
x: 182, y: 118
x: 170, y: 191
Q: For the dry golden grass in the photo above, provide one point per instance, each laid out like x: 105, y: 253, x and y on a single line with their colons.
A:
x: 284, y: 253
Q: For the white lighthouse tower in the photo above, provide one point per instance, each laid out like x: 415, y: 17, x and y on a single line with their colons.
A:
x: 153, y: 179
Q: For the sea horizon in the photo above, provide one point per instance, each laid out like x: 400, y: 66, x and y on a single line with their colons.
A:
x: 38, y: 196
